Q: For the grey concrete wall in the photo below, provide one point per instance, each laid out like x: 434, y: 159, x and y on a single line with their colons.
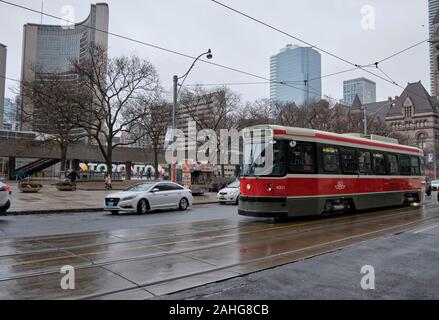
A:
x: 29, y: 60
x: 102, y: 22
x: 84, y: 152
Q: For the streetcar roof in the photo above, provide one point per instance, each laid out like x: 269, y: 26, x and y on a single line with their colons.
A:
x: 336, y: 138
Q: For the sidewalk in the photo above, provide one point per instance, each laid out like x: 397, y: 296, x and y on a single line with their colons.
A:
x: 50, y: 200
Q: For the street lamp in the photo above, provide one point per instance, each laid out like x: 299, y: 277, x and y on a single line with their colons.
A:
x: 209, y: 56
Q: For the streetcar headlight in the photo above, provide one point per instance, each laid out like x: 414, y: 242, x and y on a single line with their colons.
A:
x: 269, y: 187
x: 248, y: 186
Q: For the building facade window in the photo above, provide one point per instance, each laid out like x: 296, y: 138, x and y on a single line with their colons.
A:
x: 408, y: 112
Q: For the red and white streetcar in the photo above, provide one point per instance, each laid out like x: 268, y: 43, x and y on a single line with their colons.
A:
x: 302, y: 172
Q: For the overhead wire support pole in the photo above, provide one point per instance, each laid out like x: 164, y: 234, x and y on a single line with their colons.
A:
x: 176, y: 91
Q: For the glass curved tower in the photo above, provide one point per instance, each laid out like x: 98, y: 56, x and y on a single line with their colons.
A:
x: 295, y: 75
x: 51, y: 48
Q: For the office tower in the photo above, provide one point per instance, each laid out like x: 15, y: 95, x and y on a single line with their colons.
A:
x: 51, y: 48
x: 364, y: 88
x: 295, y: 75
x: 2, y: 81
x: 433, y: 19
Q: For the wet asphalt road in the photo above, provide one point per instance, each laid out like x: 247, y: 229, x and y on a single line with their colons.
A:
x: 52, y: 224
x: 143, y: 257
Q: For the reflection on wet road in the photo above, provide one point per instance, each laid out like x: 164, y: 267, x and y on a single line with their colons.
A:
x: 154, y: 260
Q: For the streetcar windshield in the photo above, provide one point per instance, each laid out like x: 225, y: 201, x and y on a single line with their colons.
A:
x: 265, y: 158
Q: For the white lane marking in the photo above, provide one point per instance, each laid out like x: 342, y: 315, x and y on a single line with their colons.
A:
x: 426, y: 229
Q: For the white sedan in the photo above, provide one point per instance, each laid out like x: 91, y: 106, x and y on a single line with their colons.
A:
x: 5, y: 203
x: 145, y: 197
x: 435, y: 185
x: 229, y: 194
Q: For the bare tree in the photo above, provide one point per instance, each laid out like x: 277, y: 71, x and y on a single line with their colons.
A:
x: 155, y: 124
x: 261, y: 111
x: 213, y: 109
x: 113, y: 97
x: 50, y: 96
x: 210, y: 109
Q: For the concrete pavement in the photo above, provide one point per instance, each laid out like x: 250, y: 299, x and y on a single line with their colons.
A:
x: 50, y: 200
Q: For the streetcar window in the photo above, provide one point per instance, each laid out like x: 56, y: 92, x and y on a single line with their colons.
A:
x: 414, y: 166
x: 331, y: 160
x: 349, y: 161
x: 392, y: 164
x: 422, y: 162
x: 301, y: 158
x: 364, y: 162
x: 379, y: 163
x: 404, y: 164
x: 279, y: 158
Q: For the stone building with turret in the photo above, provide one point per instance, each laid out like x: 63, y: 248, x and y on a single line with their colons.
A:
x: 413, y: 116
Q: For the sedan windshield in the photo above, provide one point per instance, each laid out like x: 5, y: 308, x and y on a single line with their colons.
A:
x: 140, y: 187
x: 234, y: 184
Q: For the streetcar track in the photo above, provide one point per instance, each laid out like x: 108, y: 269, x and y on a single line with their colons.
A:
x: 183, y: 251
x: 369, y: 219
x: 90, y: 234
x: 53, y: 248
x: 145, y: 246
x: 265, y: 258
x: 93, y: 264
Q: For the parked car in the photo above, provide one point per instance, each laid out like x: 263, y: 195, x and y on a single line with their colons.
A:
x: 428, y: 187
x: 145, y: 197
x: 5, y: 203
x: 229, y: 194
x: 435, y: 185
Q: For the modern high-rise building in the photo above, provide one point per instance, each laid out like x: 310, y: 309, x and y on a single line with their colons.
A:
x: 295, y: 75
x: 10, y: 115
x: 433, y: 14
x: 2, y: 81
x: 364, y: 88
x: 51, y: 48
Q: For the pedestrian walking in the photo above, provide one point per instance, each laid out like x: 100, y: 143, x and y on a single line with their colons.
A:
x: 108, y: 182
x: 72, y: 176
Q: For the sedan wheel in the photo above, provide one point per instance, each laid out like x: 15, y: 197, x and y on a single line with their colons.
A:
x: 142, y: 207
x: 5, y: 207
x: 184, y: 204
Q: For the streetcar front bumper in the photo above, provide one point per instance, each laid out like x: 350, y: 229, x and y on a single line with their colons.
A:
x: 264, y: 207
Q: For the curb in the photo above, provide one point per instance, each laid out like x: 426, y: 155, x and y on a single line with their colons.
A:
x: 85, y: 210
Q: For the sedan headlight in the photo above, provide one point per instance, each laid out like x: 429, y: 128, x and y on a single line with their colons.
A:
x: 128, y: 198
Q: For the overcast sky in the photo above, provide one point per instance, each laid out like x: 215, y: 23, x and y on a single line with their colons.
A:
x: 192, y: 26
